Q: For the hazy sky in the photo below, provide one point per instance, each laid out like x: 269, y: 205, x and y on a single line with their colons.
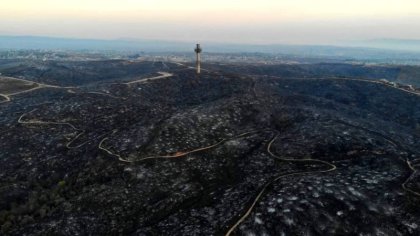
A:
x: 243, y: 21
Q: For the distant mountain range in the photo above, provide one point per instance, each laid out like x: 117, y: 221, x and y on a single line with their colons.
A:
x: 364, y: 50
x: 390, y: 44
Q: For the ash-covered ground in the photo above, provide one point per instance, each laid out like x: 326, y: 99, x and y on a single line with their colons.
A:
x: 173, y: 153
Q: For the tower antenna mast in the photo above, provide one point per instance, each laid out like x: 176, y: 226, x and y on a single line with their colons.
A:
x: 198, y: 51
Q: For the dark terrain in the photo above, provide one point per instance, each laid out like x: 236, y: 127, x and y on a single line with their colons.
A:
x: 244, y: 150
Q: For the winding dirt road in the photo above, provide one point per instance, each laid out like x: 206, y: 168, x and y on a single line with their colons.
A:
x: 38, y: 86
x: 414, y: 170
x: 350, y: 79
x: 37, y: 122
x: 105, y: 94
x: 264, y: 188
x: 6, y: 97
x: 396, y: 145
x: 169, y: 156
x: 162, y: 75
x: 267, y: 185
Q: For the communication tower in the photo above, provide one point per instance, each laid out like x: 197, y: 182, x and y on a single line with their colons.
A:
x: 198, y: 51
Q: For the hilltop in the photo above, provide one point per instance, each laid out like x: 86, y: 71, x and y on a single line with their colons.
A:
x: 150, y: 148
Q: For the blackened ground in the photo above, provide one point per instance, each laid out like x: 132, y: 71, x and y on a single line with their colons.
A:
x: 61, y: 171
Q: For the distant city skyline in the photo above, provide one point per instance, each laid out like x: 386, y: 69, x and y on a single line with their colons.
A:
x: 240, y: 21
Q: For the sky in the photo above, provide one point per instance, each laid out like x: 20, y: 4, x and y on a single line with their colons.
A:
x: 228, y: 21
